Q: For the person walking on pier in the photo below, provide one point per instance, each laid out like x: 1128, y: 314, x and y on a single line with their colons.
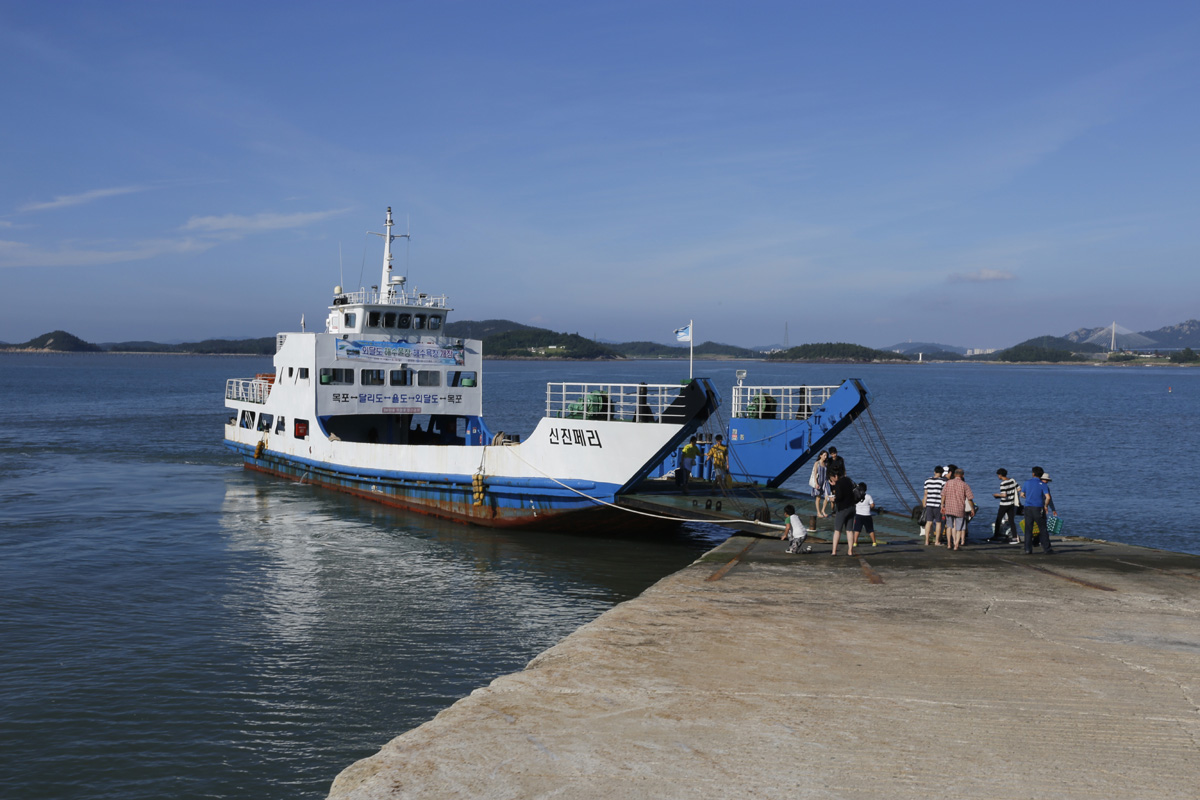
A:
x: 958, y: 504
x: 932, y: 500
x: 1036, y: 495
x: 818, y: 483
x: 835, y: 465
x: 794, y: 530
x: 1008, y: 507
x: 843, y: 516
x: 687, y: 458
x: 862, y: 515
x: 719, y: 455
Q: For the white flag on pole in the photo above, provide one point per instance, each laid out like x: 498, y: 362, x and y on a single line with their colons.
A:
x: 684, y: 334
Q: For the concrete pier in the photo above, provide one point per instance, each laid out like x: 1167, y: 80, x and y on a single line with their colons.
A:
x: 905, y: 672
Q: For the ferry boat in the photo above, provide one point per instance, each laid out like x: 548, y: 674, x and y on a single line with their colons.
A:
x: 383, y: 405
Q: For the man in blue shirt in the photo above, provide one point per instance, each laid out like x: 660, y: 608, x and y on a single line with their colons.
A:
x: 1037, y: 503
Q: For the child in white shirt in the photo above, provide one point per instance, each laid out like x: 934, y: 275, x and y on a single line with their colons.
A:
x: 862, y: 516
x: 794, y: 530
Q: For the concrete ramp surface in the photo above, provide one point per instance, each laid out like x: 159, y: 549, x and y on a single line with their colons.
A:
x: 907, y: 672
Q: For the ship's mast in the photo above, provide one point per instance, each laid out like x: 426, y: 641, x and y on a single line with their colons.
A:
x: 386, y: 285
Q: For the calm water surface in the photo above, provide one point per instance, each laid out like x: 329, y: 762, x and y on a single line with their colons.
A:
x: 173, y: 625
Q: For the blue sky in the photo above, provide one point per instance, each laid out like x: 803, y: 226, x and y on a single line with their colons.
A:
x: 967, y: 173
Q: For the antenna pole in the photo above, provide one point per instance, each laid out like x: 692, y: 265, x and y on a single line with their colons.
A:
x: 385, y: 286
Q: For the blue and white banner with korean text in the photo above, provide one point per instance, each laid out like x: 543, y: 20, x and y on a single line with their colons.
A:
x: 400, y: 353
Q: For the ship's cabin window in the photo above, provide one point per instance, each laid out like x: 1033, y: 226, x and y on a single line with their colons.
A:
x: 418, y: 322
x: 265, y: 421
x: 291, y: 371
x: 371, y: 377
x: 337, y: 377
x: 461, y: 378
x: 389, y: 319
x: 429, y: 377
x: 247, y: 420
x: 404, y: 321
x: 301, y: 428
x: 435, y: 322
x: 402, y: 377
x: 280, y: 425
x: 304, y: 373
x: 349, y: 320
x: 373, y: 319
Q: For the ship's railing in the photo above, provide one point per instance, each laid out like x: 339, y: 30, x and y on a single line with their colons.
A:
x: 248, y: 391
x: 401, y: 297
x: 779, y: 402
x: 627, y: 402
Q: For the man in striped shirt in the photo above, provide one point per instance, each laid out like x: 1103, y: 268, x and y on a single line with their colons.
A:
x: 1008, y: 507
x: 932, y: 500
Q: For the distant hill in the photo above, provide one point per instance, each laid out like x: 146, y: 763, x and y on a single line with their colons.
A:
x: 469, y: 329
x: 1185, y: 334
x: 1083, y: 334
x: 912, y: 348
x: 543, y: 343
x: 59, y: 342
x: 1169, y: 337
x: 835, y: 351
x: 1046, y: 348
x: 211, y: 347
x: 706, y: 350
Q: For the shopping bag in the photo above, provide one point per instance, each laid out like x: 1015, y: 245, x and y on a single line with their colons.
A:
x: 1055, y: 524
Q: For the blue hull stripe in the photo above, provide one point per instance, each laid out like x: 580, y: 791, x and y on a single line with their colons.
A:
x: 418, y: 483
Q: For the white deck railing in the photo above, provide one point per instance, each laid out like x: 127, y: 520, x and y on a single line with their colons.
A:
x: 779, y: 402
x: 627, y: 402
x: 248, y: 391
x: 401, y: 297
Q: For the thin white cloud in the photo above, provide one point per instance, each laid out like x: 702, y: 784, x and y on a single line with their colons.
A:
x: 62, y: 201
x: 238, y: 224
x: 20, y: 254
x: 981, y: 276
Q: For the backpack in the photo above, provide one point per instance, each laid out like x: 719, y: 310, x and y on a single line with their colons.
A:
x: 859, y: 494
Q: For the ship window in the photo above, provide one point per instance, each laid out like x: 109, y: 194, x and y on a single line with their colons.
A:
x: 371, y: 377
x: 373, y: 319
x: 429, y: 377
x: 291, y: 371
x: 389, y: 319
x: 349, y: 319
x: 337, y: 377
x: 248, y: 420
x: 265, y: 421
x: 435, y: 322
x: 280, y: 426
x: 402, y: 377
x: 304, y: 373
x: 301, y: 429
x: 418, y: 322
x: 404, y: 321
x: 464, y: 379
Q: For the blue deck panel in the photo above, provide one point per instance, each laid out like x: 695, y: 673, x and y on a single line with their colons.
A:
x: 769, y: 451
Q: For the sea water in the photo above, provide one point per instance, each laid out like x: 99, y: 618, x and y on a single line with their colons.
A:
x: 173, y: 625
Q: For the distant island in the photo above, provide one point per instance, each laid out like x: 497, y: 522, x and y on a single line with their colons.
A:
x: 505, y: 339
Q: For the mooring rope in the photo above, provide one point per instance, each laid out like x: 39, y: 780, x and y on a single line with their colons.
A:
x: 598, y: 501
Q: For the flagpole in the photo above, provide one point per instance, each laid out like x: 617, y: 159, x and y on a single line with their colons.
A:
x: 691, y: 346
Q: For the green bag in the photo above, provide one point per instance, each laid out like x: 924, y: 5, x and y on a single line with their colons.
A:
x: 1055, y: 524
